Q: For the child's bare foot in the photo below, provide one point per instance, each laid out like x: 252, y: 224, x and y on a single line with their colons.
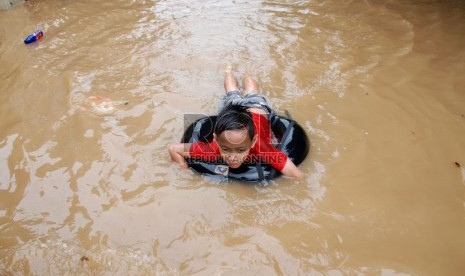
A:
x: 230, y: 82
x: 249, y: 84
x: 250, y: 71
x: 228, y: 69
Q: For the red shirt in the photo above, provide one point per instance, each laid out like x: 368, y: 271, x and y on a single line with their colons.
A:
x: 263, y: 150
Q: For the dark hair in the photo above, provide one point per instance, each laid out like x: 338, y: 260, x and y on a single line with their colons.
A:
x: 234, y: 117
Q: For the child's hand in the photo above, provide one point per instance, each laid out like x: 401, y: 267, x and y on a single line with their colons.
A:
x: 178, y: 154
x: 299, y: 175
x: 291, y: 170
x: 183, y: 166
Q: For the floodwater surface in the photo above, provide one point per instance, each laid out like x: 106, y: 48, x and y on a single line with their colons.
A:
x: 86, y: 114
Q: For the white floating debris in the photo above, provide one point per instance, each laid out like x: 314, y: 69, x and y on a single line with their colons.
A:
x: 103, y: 105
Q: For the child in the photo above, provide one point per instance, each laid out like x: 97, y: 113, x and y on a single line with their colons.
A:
x: 242, y: 132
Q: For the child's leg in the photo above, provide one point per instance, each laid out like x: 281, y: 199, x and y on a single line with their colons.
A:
x: 251, y: 87
x: 249, y: 84
x: 230, y: 82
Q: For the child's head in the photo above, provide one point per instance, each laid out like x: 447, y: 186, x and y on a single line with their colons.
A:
x: 234, y: 134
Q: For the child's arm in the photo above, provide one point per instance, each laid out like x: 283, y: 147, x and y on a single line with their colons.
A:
x: 291, y: 170
x: 178, y: 153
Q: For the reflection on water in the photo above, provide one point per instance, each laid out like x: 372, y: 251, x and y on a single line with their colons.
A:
x: 86, y: 184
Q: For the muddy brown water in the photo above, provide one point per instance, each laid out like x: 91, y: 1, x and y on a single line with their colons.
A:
x: 89, y: 189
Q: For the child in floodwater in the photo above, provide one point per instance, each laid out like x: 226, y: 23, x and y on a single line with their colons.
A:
x: 242, y: 132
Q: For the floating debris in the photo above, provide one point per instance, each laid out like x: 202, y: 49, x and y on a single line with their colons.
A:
x: 102, y: 105
x: 457, y: 164
x: 35, y: 36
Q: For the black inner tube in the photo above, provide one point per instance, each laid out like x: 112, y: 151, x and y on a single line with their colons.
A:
x: 291, y: 137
